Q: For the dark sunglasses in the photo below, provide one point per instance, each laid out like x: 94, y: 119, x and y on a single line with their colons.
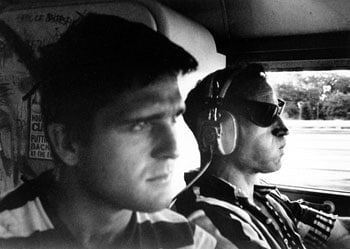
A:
x: 260, y: 113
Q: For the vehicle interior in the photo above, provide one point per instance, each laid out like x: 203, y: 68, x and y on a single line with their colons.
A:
x: 285, y: 36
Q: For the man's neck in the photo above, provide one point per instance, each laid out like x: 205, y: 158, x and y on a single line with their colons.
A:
x: 91, y: 224
x: 243, y: 181
x: 103, y: 233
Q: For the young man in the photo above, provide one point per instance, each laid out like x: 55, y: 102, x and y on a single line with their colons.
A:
x: 111, y: 107
x: 236, y: 118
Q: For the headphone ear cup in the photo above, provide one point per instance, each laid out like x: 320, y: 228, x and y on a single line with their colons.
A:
x: 217, y: 136
x: 207, y: 132
x: 228, y: 138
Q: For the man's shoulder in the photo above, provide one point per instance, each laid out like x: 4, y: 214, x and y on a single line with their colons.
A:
x: 165, y: 215
x: 16, y: 197
x: 167, y: 221
x: 25, y: 192
x: 22, y: 212
x: 175, y: 230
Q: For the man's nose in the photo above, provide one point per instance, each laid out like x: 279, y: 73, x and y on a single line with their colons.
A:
x: 279, y: 128
x: 166, y: 142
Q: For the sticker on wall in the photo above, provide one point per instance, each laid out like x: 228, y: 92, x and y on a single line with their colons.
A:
x: 38, y: 146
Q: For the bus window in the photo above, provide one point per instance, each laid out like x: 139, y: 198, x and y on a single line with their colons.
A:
x: 317, y: 114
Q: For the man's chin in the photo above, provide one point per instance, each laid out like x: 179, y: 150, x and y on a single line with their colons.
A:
x: 271, y: 168
x: 155, y: 208
x: 157, y: 204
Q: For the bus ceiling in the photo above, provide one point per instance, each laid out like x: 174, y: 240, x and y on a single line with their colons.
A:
x: 288, y: 35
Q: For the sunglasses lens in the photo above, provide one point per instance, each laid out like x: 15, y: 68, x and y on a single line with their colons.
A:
x: 264, y: 114
x: 260, y: 113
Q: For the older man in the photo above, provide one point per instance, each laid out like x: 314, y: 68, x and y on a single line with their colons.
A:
x: 235, y: 116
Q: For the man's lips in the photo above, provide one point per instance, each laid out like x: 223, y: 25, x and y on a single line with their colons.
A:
x: 281, y: 148
x: 160, y: 178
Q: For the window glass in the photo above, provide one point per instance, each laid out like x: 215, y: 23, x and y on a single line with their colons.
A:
x: 317, y: 114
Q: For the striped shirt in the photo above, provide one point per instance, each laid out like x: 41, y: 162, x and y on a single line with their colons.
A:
x: 28, y: 221
x: 273, y: 221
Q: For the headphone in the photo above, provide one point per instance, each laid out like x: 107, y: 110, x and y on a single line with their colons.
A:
x: 216, y: 128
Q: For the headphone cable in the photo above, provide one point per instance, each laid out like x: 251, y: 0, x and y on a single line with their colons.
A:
x: 200, y: 173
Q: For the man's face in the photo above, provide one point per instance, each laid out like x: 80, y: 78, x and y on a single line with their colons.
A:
x: 260, y: 149
x: 130, y: 161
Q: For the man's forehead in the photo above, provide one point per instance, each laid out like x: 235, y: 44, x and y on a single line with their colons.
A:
x: 262, y: 92
x: 158, y: 94
x: 155, y: 99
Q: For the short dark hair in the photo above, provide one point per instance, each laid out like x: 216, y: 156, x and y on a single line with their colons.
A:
x: 98, y: 57
x: 246, y: 81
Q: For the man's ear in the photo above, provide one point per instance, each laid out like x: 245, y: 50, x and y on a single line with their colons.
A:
x: 62, y: 144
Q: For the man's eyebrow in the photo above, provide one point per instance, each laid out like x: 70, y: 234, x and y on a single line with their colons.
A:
x: 142, y: 115
x: 158, y: 98
x: 178, y: 110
